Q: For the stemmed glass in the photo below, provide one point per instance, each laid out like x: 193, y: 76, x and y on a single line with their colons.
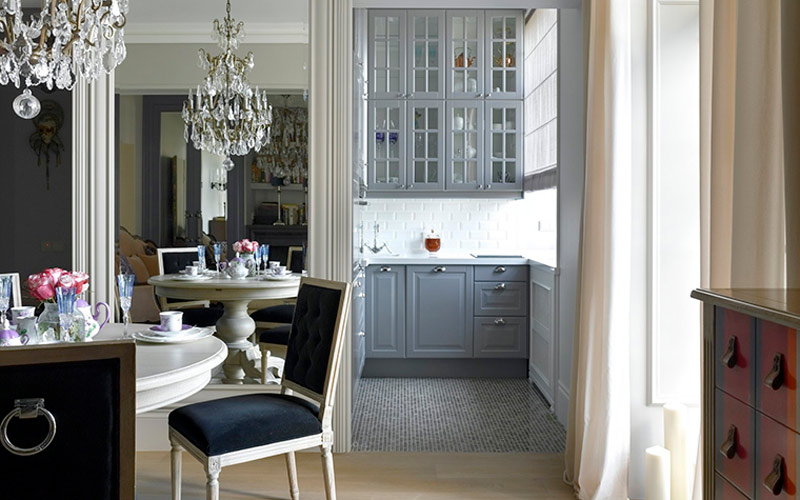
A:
x: 265, y: 256
x: 5, y: 298
x: 125, y: 285
x: 65, y: 295
x: 218, y: 254
x: 201, y: 256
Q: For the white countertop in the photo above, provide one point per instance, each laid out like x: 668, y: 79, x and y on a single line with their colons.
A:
x: 455, y: 259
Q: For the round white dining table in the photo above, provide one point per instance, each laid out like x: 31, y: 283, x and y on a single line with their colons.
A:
x: 166, y: 373
x: 235, y: 326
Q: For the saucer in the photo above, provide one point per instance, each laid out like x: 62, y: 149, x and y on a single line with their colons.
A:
x: 158, y: 329
x: 145, y: 336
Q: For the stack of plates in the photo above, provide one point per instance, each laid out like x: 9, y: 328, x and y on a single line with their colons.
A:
x: 188, y: 334
x: 280, y: 277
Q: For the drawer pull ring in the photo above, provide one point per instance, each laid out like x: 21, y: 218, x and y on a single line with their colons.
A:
x: 774, y: 379
x: 500, y: 269
x: 774, y: 481
x: 439, y: 269
x: 728, y: 448
x: 499, y: 322
x: 26, y: 409
x: 386, y: 269
x: 730, y: 357
x: 500, y: 287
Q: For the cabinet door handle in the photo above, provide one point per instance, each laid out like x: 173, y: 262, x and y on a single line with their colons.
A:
x: 488, y: 186
x: 500, y: 286
x: 439, y: 269
x: 774, y: 379
x: 730, y: 356
x: 499, y: 322
x: 500, y: 269
x: 386, y: 269
x: 774, y: 480
x: 401, y: 186
x: 728, y: 448
x: 488, y: 94
x: 410, y: 186
x: 362, y: 334
x: 480, y: 186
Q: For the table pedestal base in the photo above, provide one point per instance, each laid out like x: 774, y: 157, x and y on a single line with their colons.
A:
x: 234, y: 328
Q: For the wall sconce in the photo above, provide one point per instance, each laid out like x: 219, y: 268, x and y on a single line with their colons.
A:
x: 220, y: 180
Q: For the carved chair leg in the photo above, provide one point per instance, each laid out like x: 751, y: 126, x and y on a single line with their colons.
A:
x: 176, y: 454
x: 212, y: 476
x: 327, y: 473
x: 291, y: 468
x: 264, y: 363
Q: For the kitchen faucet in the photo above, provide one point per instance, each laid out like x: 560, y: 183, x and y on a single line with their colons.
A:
x: 375, y: 248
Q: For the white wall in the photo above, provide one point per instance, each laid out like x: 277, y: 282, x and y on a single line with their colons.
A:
x: 130, y: 163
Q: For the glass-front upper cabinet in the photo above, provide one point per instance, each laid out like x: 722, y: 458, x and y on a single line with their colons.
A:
x: 503, y: 167
x: 426, y: 60
x: 465, y: 60
x: 387, y: 54
x: 426, y: 148
x: 504, y: 46
x: 465, y: 152
x: 386, y: 145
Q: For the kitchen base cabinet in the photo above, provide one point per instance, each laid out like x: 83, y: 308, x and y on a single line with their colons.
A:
x: 500, y: 337
x: 386, y: 312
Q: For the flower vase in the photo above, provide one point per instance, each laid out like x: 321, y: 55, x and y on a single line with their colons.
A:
x: 47, y: 324
x: 249, y: 260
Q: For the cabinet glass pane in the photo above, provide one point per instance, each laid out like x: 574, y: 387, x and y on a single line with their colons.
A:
x: 388, y: 143
x: 419, y: 27
x: 433, y: 27
x: 433, y: 171
x: 433, y: 81
x: 393, y: 24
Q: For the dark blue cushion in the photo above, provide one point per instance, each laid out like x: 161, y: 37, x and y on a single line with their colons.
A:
x: 201, y: 316
x: 274, y: 314
x: 311, y: 339
x: 237, y: 423
x: 277, y: 335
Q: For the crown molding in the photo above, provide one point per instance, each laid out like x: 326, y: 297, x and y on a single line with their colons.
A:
x: 141, y: 33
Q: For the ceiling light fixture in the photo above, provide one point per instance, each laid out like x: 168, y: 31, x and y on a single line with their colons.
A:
x: 226, y: 116
x: 67, y: 36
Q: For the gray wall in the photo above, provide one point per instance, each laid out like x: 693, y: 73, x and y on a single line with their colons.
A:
x: 32, y: 215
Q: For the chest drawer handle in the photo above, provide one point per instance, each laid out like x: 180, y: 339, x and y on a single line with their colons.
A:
x: 500, y: 269
x: 774, y: 480
x: 500, y: 287
x: 730, y: 356
x: 439, y: 269
x: 386, y: 269
x: 500, y: 322
x: 774, y: 379
x: 728, y: 448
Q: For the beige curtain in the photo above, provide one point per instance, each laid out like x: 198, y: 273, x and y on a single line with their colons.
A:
x: 749, y: 144
x: 598, y: 431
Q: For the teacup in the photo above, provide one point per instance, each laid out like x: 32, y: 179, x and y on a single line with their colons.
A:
x: 10, y: 337
x: 27, y: 331
x: 21, y: 312
x: 192, y: 270
x: 171, y: 321
x: 279, y: 271
x: 273, y: 264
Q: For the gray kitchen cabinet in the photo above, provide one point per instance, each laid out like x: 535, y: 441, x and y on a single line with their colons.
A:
x: 500, y: 337
x: 359, y: 326
x: 386, y: 148
x: 426, y: 35
x: 503, y: 50
x: 503, y: 136
x: 465, y: 146
x: 387, y: 54
x: 466, y: 65
x: 542, y: 358
x: 439, y: 311
x: 500, y: 298
x: 426, y: 145
x: 386, y: 312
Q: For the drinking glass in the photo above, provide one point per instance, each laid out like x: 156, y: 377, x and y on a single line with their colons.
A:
x: 218, y: 254
x: 125, y: 285
x: 65, y: 296
x: 265, y: 256
x: 5, y: 298
x: 201, y: 256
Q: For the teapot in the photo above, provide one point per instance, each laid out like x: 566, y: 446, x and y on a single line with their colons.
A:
x: 92, y: 326
x: 237, y: 268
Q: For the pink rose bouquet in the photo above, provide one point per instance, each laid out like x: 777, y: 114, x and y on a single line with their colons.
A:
x: 42, y: 286
x: 245, y: 246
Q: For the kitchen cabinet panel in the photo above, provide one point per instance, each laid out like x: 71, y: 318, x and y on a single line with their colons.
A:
x: 387, y: 54
x: 426, y: 37
x: 386, y: 312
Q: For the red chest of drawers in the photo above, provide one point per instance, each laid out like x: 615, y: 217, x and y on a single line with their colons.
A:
x: 751, y: 406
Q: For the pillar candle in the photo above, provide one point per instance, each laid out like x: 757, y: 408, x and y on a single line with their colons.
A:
x: 675, y: 442
x: 656, y: 470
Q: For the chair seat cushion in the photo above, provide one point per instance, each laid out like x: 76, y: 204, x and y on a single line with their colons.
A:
x: 277, y: 335
x: 274, y: 314
x: 237, y: 423
x: 201, y: 316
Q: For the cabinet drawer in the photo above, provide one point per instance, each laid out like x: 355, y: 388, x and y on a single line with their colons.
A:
x: 497, y: 337
x: 723, y: 490
x: 776, y: 383
x: 781, y: 444
x: 733, y: 416
x: 501, y: 273
x: 498, y: 298
x: 734, y: 354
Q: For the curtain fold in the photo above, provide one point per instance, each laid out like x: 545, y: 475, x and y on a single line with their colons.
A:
x: 598, y: 430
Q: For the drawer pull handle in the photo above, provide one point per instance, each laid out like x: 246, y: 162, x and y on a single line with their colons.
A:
x: 730, y: 357
x: 774, y: 379
x: 499, y: 322
x: 500, y: 269
x: 386, y: 269
x: 728, y: 448
x: 500, y: 286
x: 26, y: 409
x: 439, y: 269
x: 774, y: 480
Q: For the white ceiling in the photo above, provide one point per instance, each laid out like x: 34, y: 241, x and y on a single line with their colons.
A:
x: 198, y: 11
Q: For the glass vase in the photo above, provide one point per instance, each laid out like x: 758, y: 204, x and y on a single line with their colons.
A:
x: 47, y: 324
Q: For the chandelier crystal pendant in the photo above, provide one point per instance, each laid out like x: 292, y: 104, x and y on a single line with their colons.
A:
x: 226, y: 116
x: 65, y: 38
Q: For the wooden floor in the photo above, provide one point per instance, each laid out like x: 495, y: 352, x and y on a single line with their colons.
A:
x: 370, y: 476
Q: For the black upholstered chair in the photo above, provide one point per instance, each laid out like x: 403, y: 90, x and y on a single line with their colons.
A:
x: 195, y: 312
x: 272, y: 334
x: 68, y: 421
x: 239, y: 429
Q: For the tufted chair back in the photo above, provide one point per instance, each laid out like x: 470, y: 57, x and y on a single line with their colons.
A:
x: 315, y: 343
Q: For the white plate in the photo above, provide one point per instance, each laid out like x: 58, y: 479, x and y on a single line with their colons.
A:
x: 285, y: 277
x: 146, y: 336
x: 187, y: 277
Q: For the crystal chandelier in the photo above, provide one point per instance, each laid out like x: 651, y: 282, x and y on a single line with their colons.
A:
x: 67, y: 36
x: 226, y: 116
